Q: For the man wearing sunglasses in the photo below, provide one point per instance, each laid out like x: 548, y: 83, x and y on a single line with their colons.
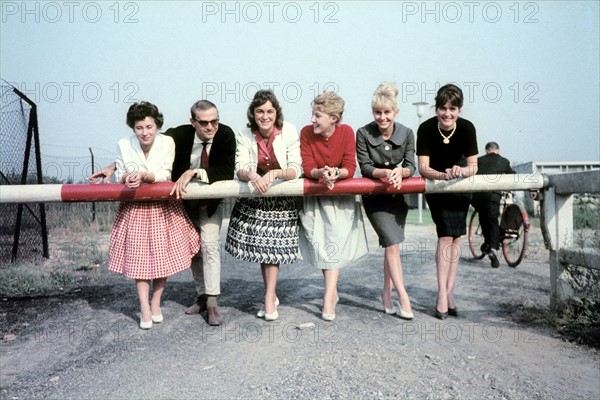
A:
x: 204, y: 150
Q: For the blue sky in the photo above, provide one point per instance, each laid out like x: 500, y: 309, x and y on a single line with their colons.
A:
x: 529, y: 70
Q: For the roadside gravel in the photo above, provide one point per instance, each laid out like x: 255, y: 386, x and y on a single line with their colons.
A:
x: 86, y: 345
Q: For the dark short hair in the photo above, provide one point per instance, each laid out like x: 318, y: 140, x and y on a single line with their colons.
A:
x: 449, y: 93
x: 202, y: 105
x: 139, y: 112
x: 260, y: 98
x: 492, y: 146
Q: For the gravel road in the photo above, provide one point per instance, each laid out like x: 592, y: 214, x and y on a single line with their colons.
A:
x: 86, y: 345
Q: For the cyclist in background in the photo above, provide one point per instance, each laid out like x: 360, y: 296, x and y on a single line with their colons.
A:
x: 487, y: 204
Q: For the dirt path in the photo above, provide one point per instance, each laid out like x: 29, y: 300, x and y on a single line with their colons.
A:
x: 87, y: 344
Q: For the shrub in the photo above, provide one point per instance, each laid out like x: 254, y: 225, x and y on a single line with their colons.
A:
x: 586, y: 211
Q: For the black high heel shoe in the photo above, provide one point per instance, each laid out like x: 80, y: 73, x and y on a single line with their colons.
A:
x: 440, y: 315
x: 453, y: 311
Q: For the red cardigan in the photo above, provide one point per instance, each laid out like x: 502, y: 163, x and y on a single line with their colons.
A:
x: 337, y: 151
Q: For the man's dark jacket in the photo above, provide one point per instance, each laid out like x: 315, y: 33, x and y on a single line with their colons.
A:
x: 221, y: 159
x: 491, y: 164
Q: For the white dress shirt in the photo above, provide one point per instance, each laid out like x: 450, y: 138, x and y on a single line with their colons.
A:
x: 130, y: 157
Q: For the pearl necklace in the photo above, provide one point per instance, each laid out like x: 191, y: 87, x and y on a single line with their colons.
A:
x: 446, y: 138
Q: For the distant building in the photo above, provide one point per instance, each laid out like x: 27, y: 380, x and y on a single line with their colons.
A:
x: 553, y: 168
x: 556, y: 167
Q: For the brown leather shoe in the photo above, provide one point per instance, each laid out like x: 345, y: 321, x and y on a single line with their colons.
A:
x: 198, y: 307
x: 214, y: 318
x: 193, y: 309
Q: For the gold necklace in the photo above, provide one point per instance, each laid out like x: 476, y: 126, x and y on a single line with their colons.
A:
x: 446, y: 138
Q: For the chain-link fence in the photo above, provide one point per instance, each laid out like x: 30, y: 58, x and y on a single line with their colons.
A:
x: 23, y: 233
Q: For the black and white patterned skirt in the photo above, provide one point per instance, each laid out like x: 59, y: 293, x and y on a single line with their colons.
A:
x: 264, y: 230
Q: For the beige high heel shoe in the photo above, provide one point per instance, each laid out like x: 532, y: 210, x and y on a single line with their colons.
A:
x: 404, y: 314
x: 272, y: 317
x: 261, y: 312
x: 145, y: 325
x: 389, y: 311
x: 330, y: 317
x: 157, y: 319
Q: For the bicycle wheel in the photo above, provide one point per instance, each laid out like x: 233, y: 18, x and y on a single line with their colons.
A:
x: 515, y: 225
x: 475, y: 237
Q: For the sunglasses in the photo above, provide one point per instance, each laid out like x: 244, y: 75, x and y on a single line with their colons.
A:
x: 204, y: 124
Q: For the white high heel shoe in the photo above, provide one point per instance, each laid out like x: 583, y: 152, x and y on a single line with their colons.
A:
x: 330, y: 317
x: 271, y: 317
x: 145, y: 325
x: 261, y: 313
x: 389, y: 311
x: 157, y: 319
x: 404, y: 314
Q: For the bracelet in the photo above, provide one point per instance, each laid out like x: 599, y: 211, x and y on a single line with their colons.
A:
x: 338, y: 171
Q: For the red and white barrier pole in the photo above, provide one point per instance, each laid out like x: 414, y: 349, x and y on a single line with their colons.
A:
x: 299, y: 187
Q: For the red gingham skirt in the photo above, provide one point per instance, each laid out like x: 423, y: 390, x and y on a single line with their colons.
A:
x: 153, y: 239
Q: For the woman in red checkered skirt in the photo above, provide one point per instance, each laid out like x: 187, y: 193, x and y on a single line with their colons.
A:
x: 151, y: 240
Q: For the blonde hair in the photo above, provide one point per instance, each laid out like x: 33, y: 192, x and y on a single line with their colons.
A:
x: 329, y: 103
x: 385, y: 96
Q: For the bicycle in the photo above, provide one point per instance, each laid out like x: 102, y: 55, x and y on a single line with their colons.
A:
x: 514, y: 230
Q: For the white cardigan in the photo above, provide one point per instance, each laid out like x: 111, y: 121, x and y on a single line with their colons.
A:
x: 130, y: 157
x: 286, y: 146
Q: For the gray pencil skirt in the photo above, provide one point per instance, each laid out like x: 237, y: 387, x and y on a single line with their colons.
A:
x: 388, y: 217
